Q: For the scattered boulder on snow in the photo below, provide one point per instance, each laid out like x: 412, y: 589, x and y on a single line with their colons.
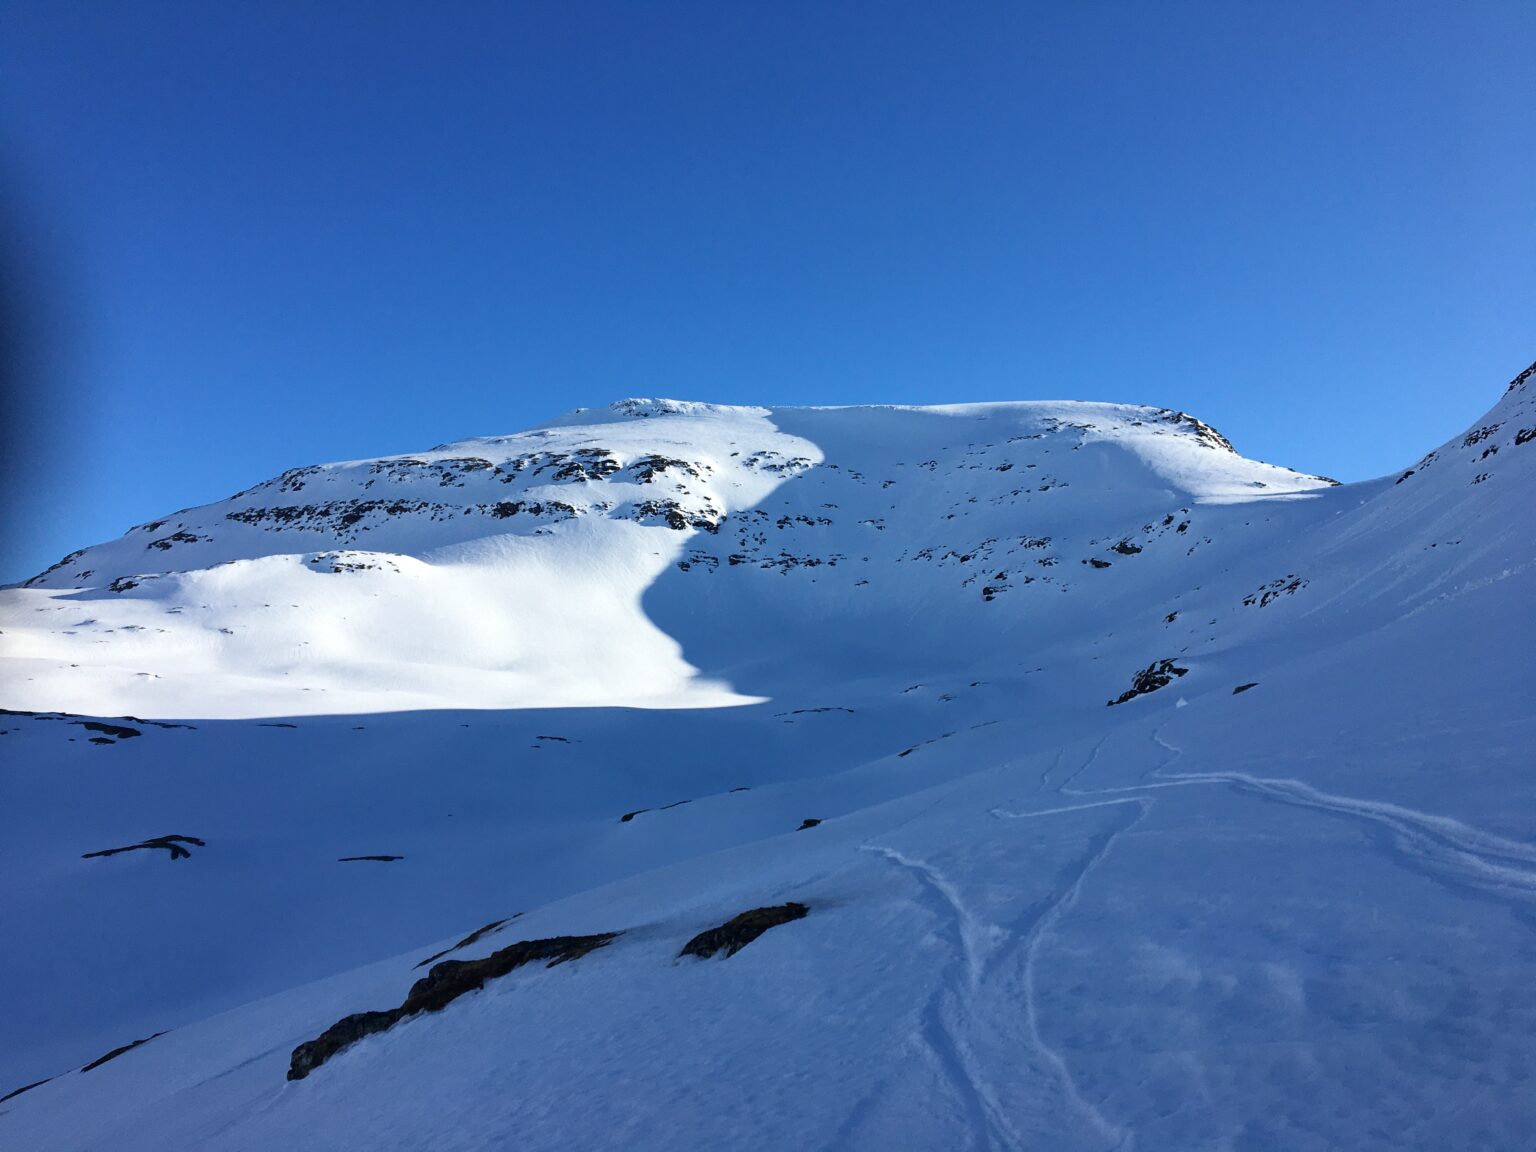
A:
x: 172, y: 844
x: 1158, y: 674
x: 808, y: 822
x: 381, y: 859
x: 736, y: 933
x: 444, y: 983
x: 1241, y: 688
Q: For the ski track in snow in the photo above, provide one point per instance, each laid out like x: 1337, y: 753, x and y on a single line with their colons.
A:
x: 1428, y: 842
x: 1436, y: 842
x: 975, y: 940
x: 1116, y: 1137
x: 949, y: 1007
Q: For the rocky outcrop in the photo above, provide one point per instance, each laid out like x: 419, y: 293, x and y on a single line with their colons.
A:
x: 116, y: 1052
x: 1158, y: 674
x: 473, y: 937
x: 1267, y: 594
x: 736, y: 933
x: 444, y: 983
x: 172, y: 844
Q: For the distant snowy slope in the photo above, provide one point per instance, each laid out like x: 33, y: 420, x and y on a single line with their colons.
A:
x: 513, y: 571
x: 1102, y: 789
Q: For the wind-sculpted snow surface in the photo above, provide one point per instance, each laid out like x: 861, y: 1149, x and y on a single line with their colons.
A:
x: 1279, y: 897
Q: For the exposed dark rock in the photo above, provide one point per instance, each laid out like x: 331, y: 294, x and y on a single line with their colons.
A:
x: 677, y: 517
x: 116, y: 1052
x: 11, y: 1095
x: 117, y: 731
x: 1097, y: 563
x: 628, y: 816
x: 736, y: 933
x: 160, y: 723
x: 1268, y: 593
x: 1525, y: 436
x: 1204, y: 434
x: 1241, y: 688
x: 1158, y: 674
x: 293, y: 479
x: 166, y: 542
x: 444, y: 983
x: 172, y: 844
x: 382, y: 859
x: 336, y: 516
x: 1126, y: 548
x: 477, y: 934
x: 338, y: 563
x: 808, y: 822
x: 587, y: 464
x: 647, y: 468
x: 70, y: 559
x: 274, y: 724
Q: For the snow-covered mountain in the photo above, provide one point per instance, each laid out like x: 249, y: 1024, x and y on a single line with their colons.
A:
x: 1093, y: 787
x: 564, y: 566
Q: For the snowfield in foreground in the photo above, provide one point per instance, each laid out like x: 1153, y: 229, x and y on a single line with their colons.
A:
x: 1005, y: 776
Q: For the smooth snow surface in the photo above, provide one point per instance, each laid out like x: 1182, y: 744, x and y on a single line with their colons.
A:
x: 597, y: 674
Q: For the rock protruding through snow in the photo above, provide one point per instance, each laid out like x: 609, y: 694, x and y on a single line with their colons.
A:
x: 444, y: 983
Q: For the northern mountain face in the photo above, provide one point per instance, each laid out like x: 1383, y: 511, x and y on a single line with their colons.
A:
x: 1130, y: 793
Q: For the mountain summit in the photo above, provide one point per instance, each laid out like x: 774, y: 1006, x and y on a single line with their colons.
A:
x: 996, y: 776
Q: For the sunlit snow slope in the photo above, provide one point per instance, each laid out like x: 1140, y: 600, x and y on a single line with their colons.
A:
x: 595, y: 677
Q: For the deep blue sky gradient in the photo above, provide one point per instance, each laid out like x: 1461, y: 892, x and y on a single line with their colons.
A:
x: 253, y: 235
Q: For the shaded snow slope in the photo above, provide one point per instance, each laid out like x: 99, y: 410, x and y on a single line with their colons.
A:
x: 1283, y: 901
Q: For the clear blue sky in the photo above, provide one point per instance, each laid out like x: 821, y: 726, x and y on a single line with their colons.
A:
x: 243, y: 236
